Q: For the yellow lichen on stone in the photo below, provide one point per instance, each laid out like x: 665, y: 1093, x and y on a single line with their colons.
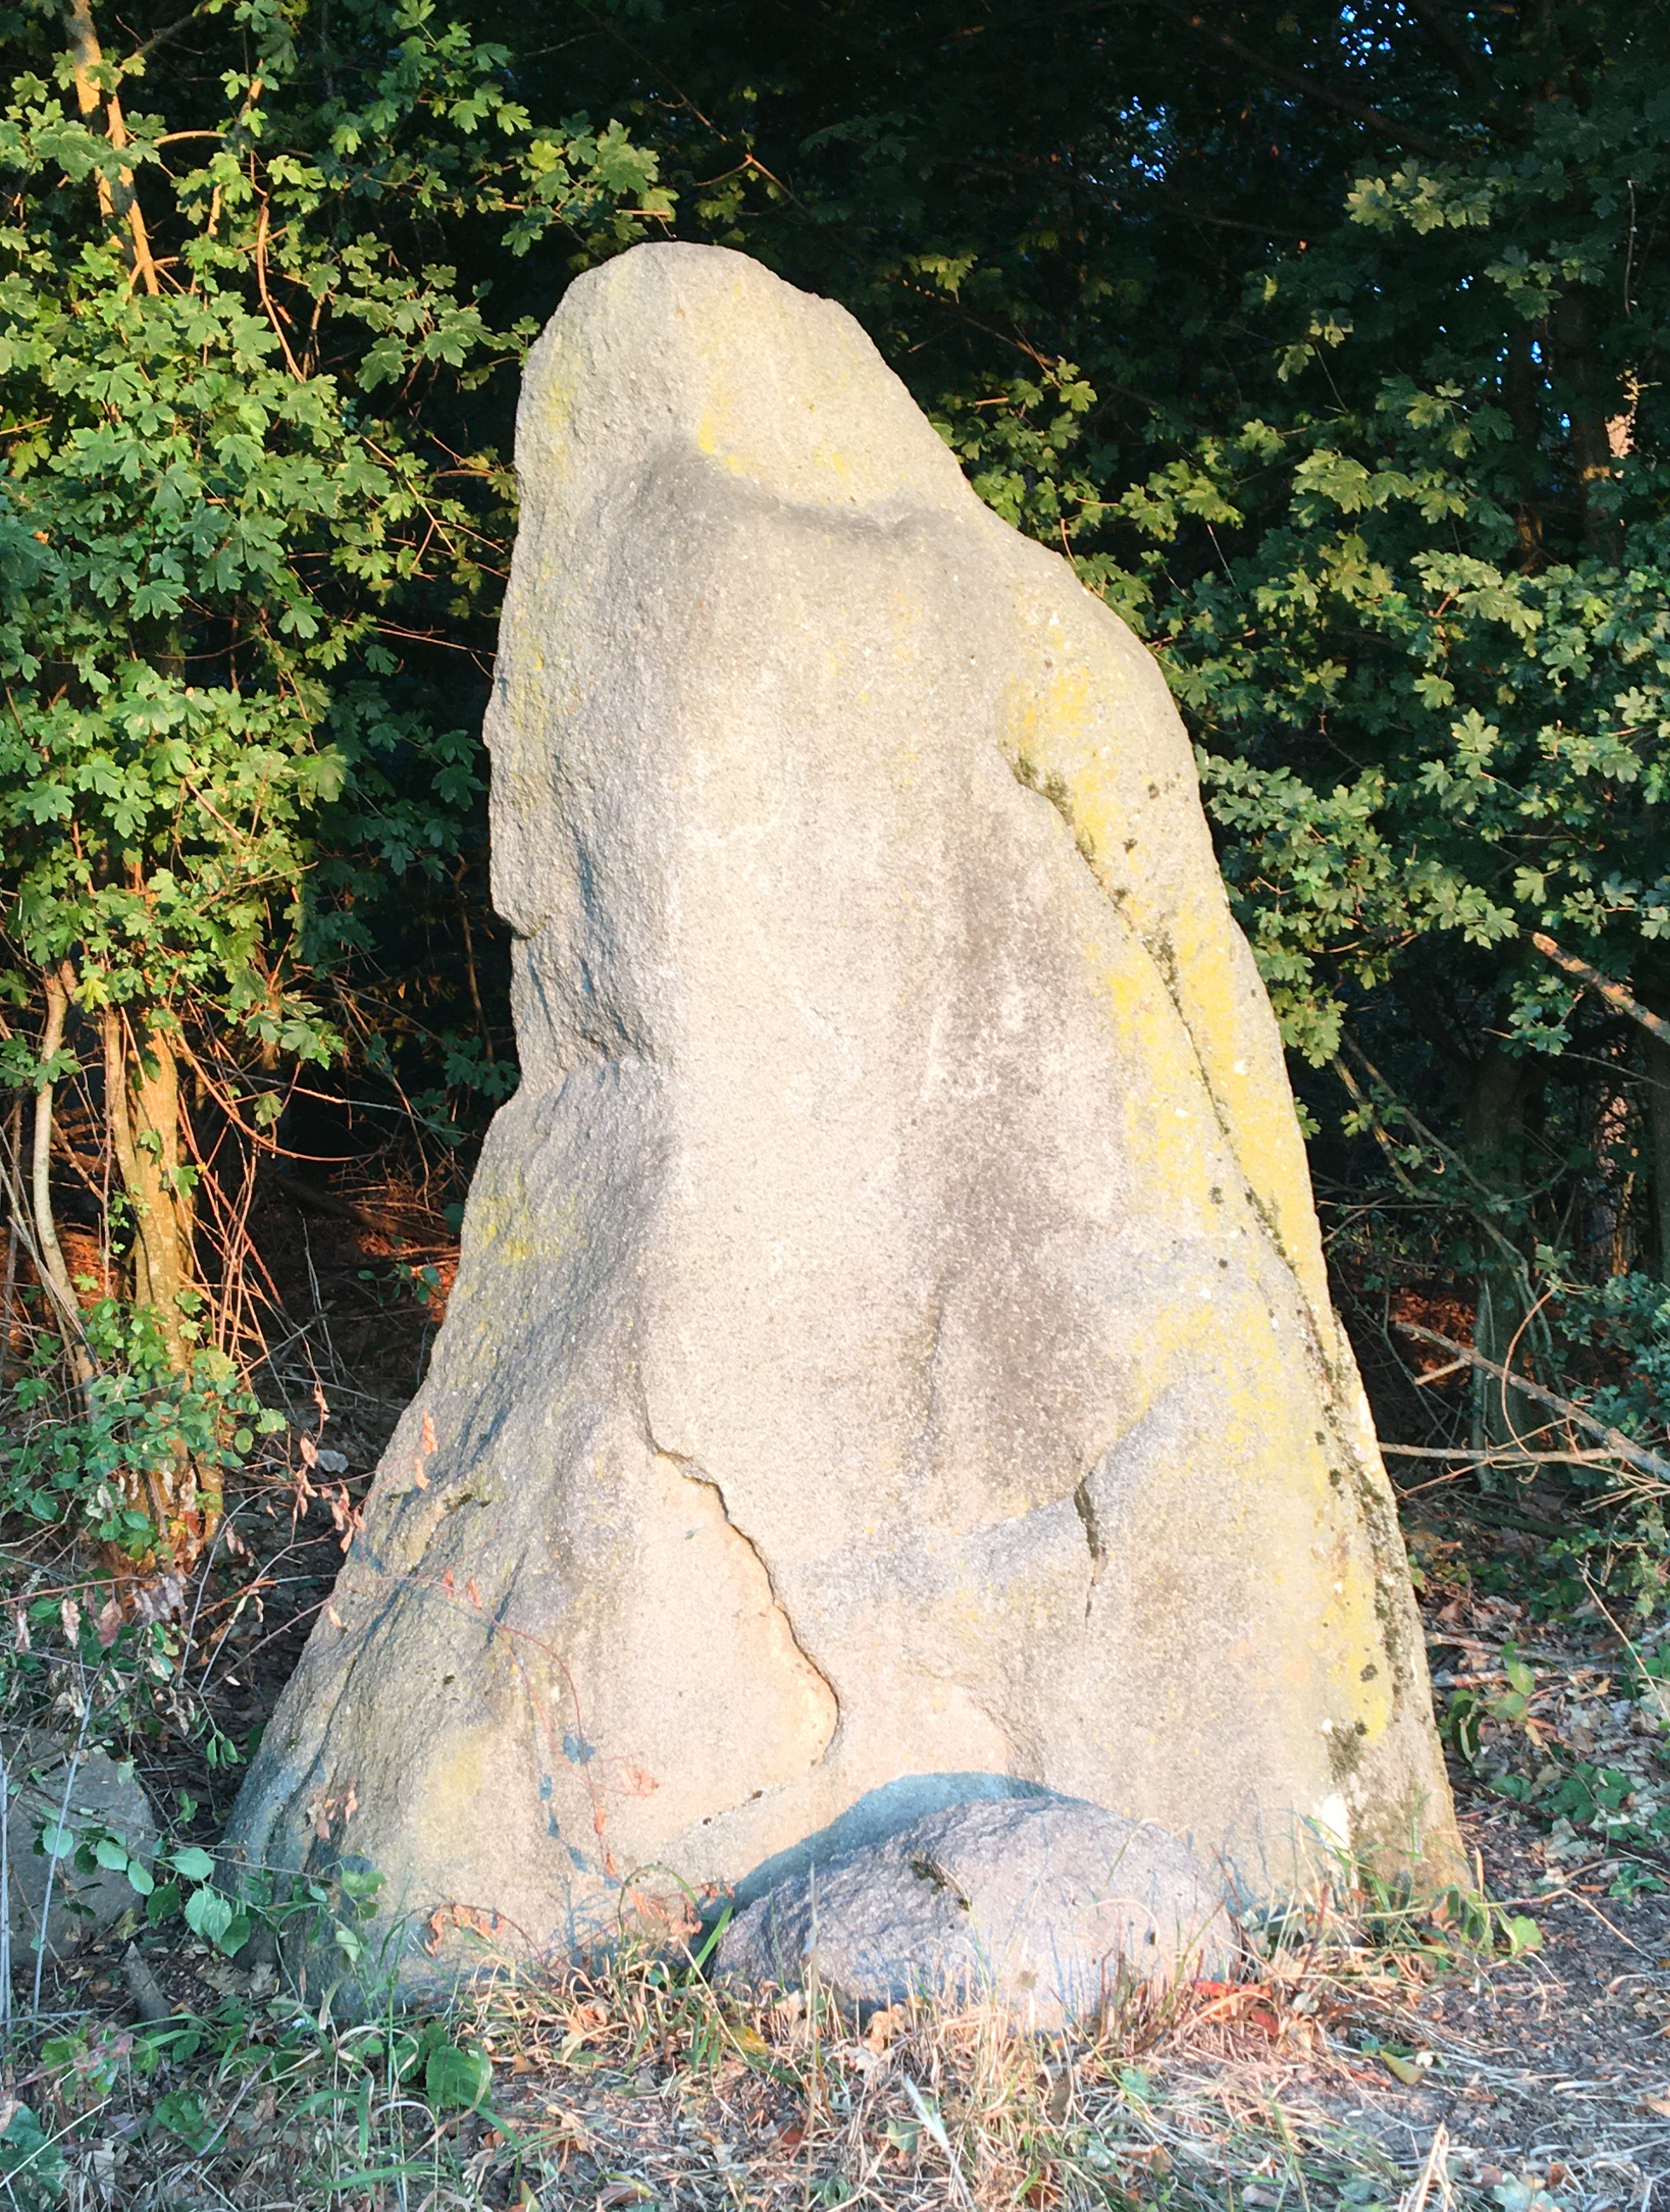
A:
x: 1057, y: 730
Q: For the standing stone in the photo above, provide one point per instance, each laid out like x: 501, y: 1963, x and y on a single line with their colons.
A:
x: 891, y: 1362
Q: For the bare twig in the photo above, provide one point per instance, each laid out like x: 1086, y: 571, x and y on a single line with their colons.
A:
x: 1453, y: 1158
x: 1379, y: 125
x: 14, y: 1230
x: 59, y: 986
x: 266, y: 296
x: 70, y: 1311
x: 936, y: 2128
x: 1472, y: 68
x: 1501, y: 1457
x: 1620, y: 1446
x: 5, y: 1898
x: 1437, y: 1374
x: 1435, y: 2169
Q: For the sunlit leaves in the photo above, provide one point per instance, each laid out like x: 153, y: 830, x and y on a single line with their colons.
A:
x: 1426, y: 653
x: 215, y: 501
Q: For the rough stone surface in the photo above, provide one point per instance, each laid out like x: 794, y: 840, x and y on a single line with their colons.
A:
x: 103, y: 1791
x: 891, y: 1361
x: 1045, y: 1908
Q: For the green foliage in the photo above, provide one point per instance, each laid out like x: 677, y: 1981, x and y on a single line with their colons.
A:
x: 184, y: 1883
x: 177, y: 1884
x: 1405, y: 561
x: 1627, y: 1321
x: 1336, y: 364
x: 1360, y: 427
x: 1467, y: 1710
x: 97, y: 1474
x: 456, y: 2078
x: 229, y: 494
x: 33, y: 2167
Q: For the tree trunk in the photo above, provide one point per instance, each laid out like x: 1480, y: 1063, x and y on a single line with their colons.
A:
x: 15, y: 1232
x: 142, y: 1090
x: 1492, y: 1129
x: 1658, y: 1118
x: 141, y: 1100
x: 117, y: 204
x: 59, y: 984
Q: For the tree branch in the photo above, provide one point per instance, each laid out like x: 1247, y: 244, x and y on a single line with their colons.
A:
x: 120, y: 203
x: 160, y: 38
x: 1613, y: 994
x: 266, y: 296
x: 1462, y: 1457
x: 58, y: 984
x: 1442, y: 34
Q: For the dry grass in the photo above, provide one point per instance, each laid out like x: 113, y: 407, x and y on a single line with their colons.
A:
x: 1304, y: 2085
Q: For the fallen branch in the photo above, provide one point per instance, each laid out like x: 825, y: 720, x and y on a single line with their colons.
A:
x: 1436, y: 1375
x: 145, y: 1988
x: 1494, y: 1515
x: 1452, y: 1158
x: 1617, y: 1443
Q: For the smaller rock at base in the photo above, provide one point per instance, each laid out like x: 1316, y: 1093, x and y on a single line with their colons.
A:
x: 1047, y: 1908
x: 103, y: 1794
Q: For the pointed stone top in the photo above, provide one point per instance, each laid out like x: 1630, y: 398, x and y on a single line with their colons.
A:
x: 782, y: 388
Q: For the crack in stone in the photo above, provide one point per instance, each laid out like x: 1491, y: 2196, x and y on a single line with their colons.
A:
x: 1084, y: 1505
x: 692, y: 1472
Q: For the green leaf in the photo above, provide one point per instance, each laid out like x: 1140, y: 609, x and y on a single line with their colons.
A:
x: 32, y: 2166
x: 209, y: 1913
x: 193, y: 1862
x: 1522, y: 1935
x: 456, y: 2079
x: 180, y: 2112
x: 232, y: 1937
